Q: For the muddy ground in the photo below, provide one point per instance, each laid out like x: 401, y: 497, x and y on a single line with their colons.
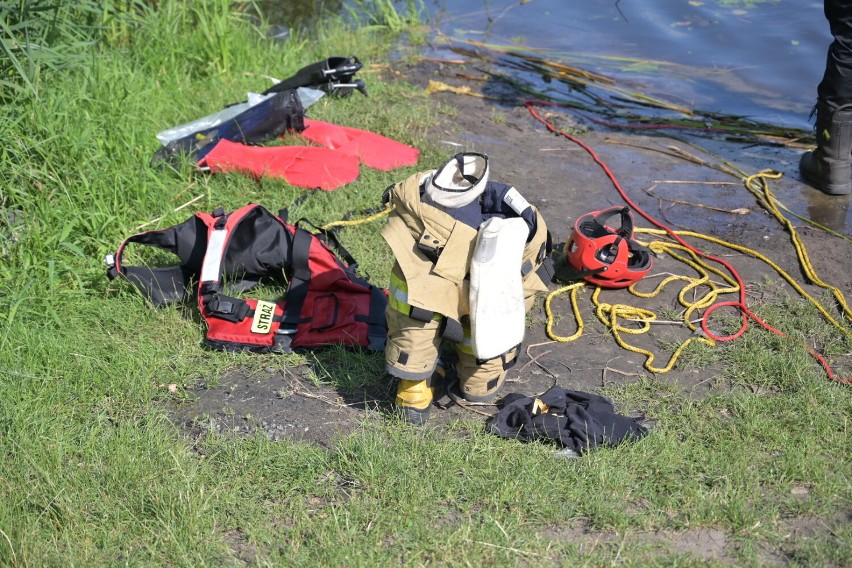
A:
x: 563, y: 181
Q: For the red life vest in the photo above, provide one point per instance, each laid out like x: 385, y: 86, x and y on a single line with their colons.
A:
x: 325, y: 303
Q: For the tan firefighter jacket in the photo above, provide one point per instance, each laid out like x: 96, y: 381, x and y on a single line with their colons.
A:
x: 433, y: 253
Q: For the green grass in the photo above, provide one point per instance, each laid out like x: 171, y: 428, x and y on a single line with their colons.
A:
x: 93, y: 473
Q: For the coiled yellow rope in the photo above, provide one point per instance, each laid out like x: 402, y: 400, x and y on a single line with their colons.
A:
x: 639, y: 320
x: 754, y: 254
x: 574, y: 306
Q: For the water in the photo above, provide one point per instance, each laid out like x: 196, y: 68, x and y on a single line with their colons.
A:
x: 756, y: 58
x: 728, y: 56
x: 734, y: 57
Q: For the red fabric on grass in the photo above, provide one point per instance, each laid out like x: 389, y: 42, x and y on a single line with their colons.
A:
x: 302, y: 166
x: 373, y: 150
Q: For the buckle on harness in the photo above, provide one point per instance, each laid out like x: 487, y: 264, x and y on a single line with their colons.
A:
x: 219, y: 306
x: 227, y: 308
x: 507, y: 362
x: 430, y: 247
x: 282, y: 340
x: 432, y: 253
x: 376, y: 342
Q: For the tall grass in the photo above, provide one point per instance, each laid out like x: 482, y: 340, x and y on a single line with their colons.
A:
x: 38, y: 37
x: 393, y: 15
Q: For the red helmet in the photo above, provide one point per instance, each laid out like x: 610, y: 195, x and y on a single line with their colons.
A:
x: 605, y: 256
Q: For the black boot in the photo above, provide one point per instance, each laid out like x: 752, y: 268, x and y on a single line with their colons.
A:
x: 829, y: 167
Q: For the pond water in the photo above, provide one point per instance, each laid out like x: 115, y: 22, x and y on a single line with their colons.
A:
x: 761, y: 59
x: 756, y: 58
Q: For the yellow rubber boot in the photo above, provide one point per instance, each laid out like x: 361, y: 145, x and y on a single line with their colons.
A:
x: 414, y: 398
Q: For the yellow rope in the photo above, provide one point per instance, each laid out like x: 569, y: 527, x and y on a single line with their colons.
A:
x: 758, y: 186
x: 548, y: 311
x: 639, y: 320
x: 609, y: 314
x: 789, y: 279
x: 352, y: 222
x: 712, y: 289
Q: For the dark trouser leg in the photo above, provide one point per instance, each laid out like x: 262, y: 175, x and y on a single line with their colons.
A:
x: 836, y: 85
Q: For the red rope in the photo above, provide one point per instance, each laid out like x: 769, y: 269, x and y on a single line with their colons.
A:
x: 740, y: 305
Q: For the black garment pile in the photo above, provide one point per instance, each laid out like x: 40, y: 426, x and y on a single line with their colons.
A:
x: 578, y: 420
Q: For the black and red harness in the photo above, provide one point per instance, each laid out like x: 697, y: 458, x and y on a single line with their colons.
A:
x: 325, y: 303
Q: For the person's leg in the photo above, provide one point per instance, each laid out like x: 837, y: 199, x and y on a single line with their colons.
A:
x: 829, y: 166
x: 480, y: 381
x: 410, y: 355
x: 836, y: 85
